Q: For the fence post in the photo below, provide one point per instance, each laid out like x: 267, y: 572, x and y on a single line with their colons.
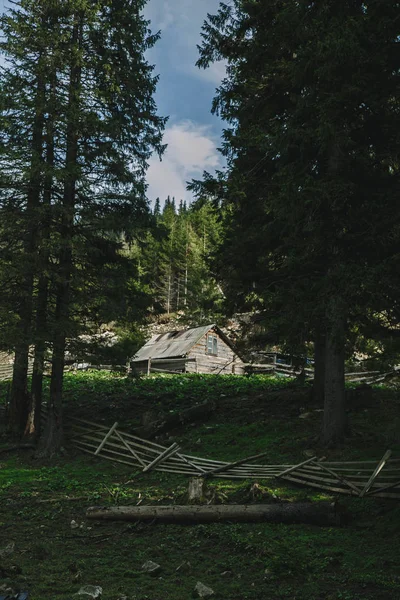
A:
x: 149, y: 366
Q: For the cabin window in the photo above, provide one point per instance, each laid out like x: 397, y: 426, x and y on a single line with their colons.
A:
x: 212, y: 344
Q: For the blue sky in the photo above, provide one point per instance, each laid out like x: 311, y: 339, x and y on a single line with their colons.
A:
x: 184, y: 94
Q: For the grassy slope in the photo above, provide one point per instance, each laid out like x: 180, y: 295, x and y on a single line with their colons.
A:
x: 51, y: 560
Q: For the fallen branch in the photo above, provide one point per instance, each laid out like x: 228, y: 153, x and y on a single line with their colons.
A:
x: 319, y: 513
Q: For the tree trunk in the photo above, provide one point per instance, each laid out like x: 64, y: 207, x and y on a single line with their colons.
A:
x: 19, y: 402
x: 32, y: 429
x: 52, y: 438
x: 334, y: 398
x: 169, y: 291
x: 318, y: 513
x: 19, y: 397
x: 319, y: 368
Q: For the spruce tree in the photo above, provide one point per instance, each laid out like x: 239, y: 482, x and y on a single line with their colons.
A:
x: 311, y: 102
x: 28, y: 31
x: 96, y: 129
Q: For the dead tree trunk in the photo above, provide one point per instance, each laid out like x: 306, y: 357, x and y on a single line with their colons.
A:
x: 319, y: 513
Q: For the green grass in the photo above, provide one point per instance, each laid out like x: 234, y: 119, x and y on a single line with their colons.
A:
x: 39, y: 499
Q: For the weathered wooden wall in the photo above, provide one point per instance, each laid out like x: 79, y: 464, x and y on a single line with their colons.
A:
x: 226, y: 361
x: 6, y: 366
x: 172, y: 365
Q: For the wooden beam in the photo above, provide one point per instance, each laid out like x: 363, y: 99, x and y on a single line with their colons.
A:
x: 168, y: 452
x: 375, y: 474
x: 113, y: 428
x: 291, y: 469
x: 131, y: 450
x: 231, y: 465
x: 340, y: 478
x: 384, y: 488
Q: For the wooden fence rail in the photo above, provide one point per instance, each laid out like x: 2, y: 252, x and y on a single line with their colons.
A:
x: 356, y: 478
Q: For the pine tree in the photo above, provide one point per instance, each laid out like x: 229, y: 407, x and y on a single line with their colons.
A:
x: 157, y: 208
x: 97, y: 127
x: 24, y: 85
x: 310, y: 98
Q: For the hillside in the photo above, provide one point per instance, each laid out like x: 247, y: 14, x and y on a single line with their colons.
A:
x: 39, y: 500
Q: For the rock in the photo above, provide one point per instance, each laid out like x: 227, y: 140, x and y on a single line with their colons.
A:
x: 306, y: 415
x: 268, y: 574
x: 90, y: 591
x: 202, y: 591
x: 7, y: 590
x: 151, y: 567
x: 7, y: 550
x: 74, y: 524
x: 309, y: 453
x: 198, y: 442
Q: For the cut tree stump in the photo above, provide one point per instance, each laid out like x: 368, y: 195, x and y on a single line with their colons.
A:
x: 319, y: 513
x: 197, y: 491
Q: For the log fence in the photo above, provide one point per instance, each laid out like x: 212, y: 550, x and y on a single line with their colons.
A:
x: 356, y: 478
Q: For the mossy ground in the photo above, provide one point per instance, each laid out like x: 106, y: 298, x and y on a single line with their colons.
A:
x: 38, y: 501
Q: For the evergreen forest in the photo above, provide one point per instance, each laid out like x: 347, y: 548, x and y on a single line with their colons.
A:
x: 291, y: 244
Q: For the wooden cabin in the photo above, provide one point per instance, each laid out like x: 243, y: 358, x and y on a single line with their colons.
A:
x: 7, y: 365
x: 199, y: 350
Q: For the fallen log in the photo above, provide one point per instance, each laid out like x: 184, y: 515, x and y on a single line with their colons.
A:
x: 318, y: 513
x: 195, y: 413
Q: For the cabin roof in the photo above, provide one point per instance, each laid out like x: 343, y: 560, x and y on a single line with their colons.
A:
x: 175, y: 344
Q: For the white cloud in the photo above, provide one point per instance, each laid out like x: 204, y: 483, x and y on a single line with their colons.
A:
x: 187, y: 14
x: 181, y: 21
x: 161, y: 14
x: 191, y: 150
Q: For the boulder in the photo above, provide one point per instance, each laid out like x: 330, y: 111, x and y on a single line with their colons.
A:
x: 90, y: 591
x: 203, y: 591
x: 151, y: 567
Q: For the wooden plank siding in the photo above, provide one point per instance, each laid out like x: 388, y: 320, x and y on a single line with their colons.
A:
x: 225, y: 362
x: 7, y: 365
x: 186, y: 352
x: 172, y: 366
